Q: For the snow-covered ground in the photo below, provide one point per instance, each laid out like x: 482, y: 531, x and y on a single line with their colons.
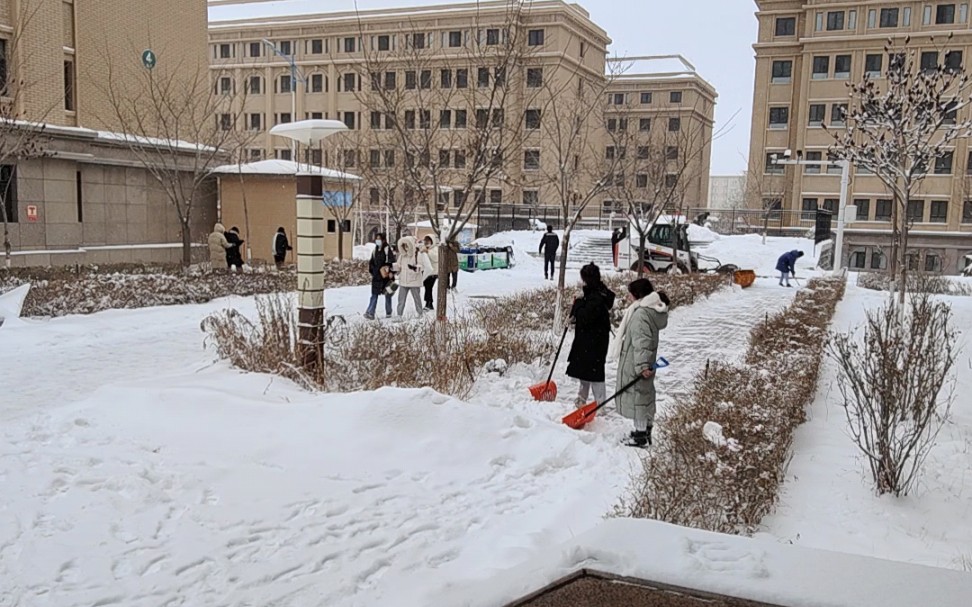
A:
x: 827, y: 500
x: 135, y: 471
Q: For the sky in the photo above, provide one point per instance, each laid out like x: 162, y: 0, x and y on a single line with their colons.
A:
x: 715, y: 35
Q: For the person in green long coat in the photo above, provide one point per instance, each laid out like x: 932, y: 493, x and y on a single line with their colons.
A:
x: 636, y: 348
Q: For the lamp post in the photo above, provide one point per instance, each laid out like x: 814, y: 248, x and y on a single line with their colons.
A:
x: 842, y: 205
x: 294, y: 79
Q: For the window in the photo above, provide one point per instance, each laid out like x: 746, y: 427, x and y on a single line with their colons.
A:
x: 852, y: 20
x: 286, y: 84
x: 350, y: 157
x: 482, y: 119
x: 858, y: 260
x: 889, y: 17
x: 534, y: 77
x: 782, y: 71
x: 460, y: 159
x: 878, y: 260
x: 418, y: 41
x: 531, y: 160
x: 671, y: 180
x: 882, y: 210
x: 926, y: 16
x: 945, y: 14
x: 619, y: 99
x: 499, y: 76
x: 316, y: 116
x: 771, y: 168
x: 384, y: 43
x: 963, y: 13
x: 495, y: 196
x: 813, y: 169
x: 317, y: 47
x: 819, y: 22
x: 871, y: 19
x: 641, y: 180
x: 317, y: 83
x: 951, y: 115
x: 953, y: 61
x: 674, y: 125
x: 644, y: 152
x: 425, y: 119
x: 817, y: 114
x: 835, y: 21
x: 284, y: 118
x: 349, y: 45
x: 350, y: 82
x: 349, y: 120
x: 425, y: 79
x: 809, y: 209
x: 225, y: 122
x: 838, y: 114
x: 445, y: 119
x: 390, y: 81
x: 779, y: 117
x: 842, y: 66
x: 411, y: 81
x: 389, y: 156
x: 863, y: 209
x: 444, y: 156
x: 256, y: 49
x: 256, y: 122
x: 455, y: 39
x: 69, y: 86
x: 916, y: 210
x: 939, y: 211
x: 821, y: 68
x: 675, y: 97
x: 671, y: 152
x: 644, y: 125
x: 531, y: 198
x: 533, y: 119
x: 786, y: 26
x: 492, y: 37
x: 645, y: 98
x: 929, y: 62
x: 225, y: 51
x: 462, y: 78
x: 445, y: 79
x: 8, y: 185
x: 460, y: 119
x: 933, y: 263
x: 482, y: 77
x: 609, y: 152
x: 873, y: 65
x: 906, y: 17
x: 830, y: 204
x: 535, y: 38
x: 966, y: 208
x: 943, y: 164
x: 612, y: 124
x: 375, y: 120
x: 374, y: 158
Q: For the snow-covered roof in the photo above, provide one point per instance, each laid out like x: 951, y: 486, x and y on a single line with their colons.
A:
x: 281, y: 167
x: 652, y: 67
x: 111, y: 136
x: 730, y: 565
x: 444, y: 224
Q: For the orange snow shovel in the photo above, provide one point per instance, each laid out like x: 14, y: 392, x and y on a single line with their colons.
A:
x: 547, y: 391
x: 586, y: 414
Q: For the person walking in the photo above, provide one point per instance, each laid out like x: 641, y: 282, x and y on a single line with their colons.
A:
x: 234, y: 254
x: 280, y: 247
x: 591, y: 315
x: 548, y: 247
x: 380, y: 266
x: 619, y: 235
x: 636, y: 348
x: 430, y: 266
x: 786, y: 266
x: 452, y: 263
x: 410, y: 274
x: 218, y: 246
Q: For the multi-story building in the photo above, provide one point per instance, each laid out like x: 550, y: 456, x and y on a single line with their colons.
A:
x: 334, y: 54
x: 79, y: 195
x: 806, y: 53
x: 727, y: 192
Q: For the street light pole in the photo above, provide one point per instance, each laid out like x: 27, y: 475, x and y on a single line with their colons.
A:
x: 294, y: 79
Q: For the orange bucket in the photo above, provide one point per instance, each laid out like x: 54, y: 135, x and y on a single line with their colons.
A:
x: 544, y: 391
x: 744, y: 278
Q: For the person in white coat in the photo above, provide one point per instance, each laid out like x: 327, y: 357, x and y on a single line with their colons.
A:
x: 430, y: 263
x: 410, y: 274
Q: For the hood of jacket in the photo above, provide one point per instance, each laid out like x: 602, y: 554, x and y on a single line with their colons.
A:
x: 219, y: 228
x: 654, y: 303
x: 406, y: 246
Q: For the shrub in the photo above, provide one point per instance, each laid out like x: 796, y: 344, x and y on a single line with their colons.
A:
x: 720, y: 455
x: 917, y: 283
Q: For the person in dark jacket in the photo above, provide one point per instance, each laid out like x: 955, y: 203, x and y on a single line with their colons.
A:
x: 380, y: 268
x: 786, y: 266
x: 280, y: 247
x: 548, y: 247
x: 591, y: 315
x: 234, y: 254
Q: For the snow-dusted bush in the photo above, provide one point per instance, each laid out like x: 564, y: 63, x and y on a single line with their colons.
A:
x: 727, y: 481
x: 87, y: 289
x: 917, y: 283
x: 894, y: 382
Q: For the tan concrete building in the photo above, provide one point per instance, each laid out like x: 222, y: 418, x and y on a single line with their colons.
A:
x: 805, y: 54
x: 331, y: 51
x: 87, y: 200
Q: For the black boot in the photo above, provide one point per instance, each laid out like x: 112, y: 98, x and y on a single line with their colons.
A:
x: 638, y: 439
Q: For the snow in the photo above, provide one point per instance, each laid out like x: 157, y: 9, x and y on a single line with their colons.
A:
x: 275, y: 166
x: 11, y: 304
x: 766, y: 571
x: 364, y: 252
x: 697, y: 233
x: 656, y: 66
x: 827, y: 499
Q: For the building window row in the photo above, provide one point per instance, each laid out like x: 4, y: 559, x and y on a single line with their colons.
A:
x: 645, y: 98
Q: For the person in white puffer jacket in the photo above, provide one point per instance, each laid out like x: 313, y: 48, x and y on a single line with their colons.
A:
x: 410, y: 274
x: 430, y: 263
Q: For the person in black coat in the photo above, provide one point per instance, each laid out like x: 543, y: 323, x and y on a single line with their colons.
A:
x: 591, y: 314
x: 280, y: 247
x: 234, y: 255
x: 380, y: 266
x: 548, y: 247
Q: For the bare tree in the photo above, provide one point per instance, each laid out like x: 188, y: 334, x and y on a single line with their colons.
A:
x: 179, y: 125
x: 477, y: 95
x: 900, y: 127
x: 765, y: 190
x: 341, y: 204
x: 892, y: 381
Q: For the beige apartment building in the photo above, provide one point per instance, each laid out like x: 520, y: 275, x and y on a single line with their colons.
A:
x: 87, y: 199
x: 333, y: 51
x: 806, y: 53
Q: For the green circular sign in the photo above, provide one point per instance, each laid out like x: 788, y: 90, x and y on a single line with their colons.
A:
x: 148, y: 59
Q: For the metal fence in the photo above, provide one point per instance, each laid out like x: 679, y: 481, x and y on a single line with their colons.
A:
x: 493, y: 218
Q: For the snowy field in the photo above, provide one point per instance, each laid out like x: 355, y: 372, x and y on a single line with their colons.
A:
x: 136, y: 471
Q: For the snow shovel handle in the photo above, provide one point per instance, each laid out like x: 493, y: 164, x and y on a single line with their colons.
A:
x: 557, y: 355
x: 659, y: 364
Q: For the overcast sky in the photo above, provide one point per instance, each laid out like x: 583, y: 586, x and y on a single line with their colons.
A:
x: 715, y: 35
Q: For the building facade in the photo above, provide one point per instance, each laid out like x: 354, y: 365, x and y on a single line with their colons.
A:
x: 80, y: 195
x: 727, y: 192
x: 442, y: 48
x: 806, y: 53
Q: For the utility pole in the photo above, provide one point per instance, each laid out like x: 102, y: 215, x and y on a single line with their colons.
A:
x: 295, y: 77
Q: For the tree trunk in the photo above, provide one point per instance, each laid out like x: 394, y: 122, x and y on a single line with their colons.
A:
x: 561, y: 281
x: 186, y: 243
x: 901, y: 276
x: 340, y: 233
x: 442, y: 288
x: 7, y: 247
x: 642, y: 240
x: 765, y: 226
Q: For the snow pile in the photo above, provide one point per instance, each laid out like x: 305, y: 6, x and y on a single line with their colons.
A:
x: 12, y: 304
x: 364, y: 252
x: 713, y: 433
x: 700, y: 234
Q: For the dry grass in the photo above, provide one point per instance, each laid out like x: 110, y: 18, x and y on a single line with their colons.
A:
x: 87, y: 289
x: 729, y: 486
x: 917, y: 283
